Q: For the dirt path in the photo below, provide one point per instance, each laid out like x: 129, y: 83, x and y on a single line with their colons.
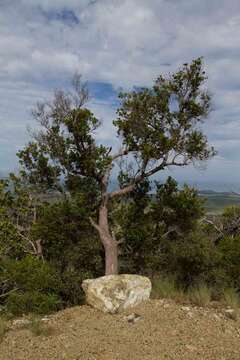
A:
x: 164, y: 331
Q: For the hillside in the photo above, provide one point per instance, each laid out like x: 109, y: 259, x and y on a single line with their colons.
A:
x: 165, y: 330
x: 217, y: 201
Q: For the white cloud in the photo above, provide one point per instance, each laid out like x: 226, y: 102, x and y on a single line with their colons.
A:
x: 123, y: 43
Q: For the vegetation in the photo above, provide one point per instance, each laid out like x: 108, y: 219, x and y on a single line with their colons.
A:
x: 200, y: 295
x: 215, y: 202
x: 3, y: 328
x: 53, y: 214
x: 158, y: 127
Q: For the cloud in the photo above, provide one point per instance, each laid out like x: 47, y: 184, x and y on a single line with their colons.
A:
x: 116, y: 44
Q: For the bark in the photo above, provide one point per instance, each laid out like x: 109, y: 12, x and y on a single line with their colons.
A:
x: 111, y: 259
x: 108, y: 241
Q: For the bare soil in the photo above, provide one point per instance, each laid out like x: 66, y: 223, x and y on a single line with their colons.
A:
x: 164, y: 330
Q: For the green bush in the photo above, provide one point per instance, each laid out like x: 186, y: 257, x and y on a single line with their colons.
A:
x: 70, y: 244
x: 31, y: 285
x: 191, y: 258
x: 32, y: 302
x: 229, y: 250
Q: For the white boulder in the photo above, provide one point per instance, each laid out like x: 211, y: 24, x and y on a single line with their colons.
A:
x: 115, y: 293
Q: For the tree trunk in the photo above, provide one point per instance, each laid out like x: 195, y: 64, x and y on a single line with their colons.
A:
x: 109, y: 243
x: 111, y: 259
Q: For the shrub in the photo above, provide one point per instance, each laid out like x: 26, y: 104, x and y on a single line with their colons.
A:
x: 153, y: 225
x: 32, y: 286
x: 229, y: 250
x: 70, y: 245
x: 190, y: 257
x: 32, y: 302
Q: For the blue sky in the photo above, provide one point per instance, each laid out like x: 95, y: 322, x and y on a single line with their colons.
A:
x: 120, y: 44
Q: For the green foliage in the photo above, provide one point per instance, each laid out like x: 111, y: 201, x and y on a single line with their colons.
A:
x: 70, y: 244
x: 65, y: 146
x: 191, y: 258
x: 29, y: 273
x: 163, y: 118
x: 230, y: 220
x: 159, y: 128
x: 47, y: 249
x: 157, y: 230
x: 179, y: 208
x: 18, y: 211
x: 29, y: 285
x: 32, y: 302
x: 229, y: 250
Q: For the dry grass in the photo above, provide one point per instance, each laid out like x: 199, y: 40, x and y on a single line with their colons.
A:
x: 230, y: 298
x: 165, y: 287
x: 3, y: 328
x: 200, y: 295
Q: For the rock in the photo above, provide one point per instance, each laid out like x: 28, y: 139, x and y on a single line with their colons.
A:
x: 132, y: 318
x: 115, y: 293
x: 231, y: 314
x: 185, y: 308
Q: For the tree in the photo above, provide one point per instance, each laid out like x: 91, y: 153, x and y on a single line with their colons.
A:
x: 18, y: 213
x: 158, y: 127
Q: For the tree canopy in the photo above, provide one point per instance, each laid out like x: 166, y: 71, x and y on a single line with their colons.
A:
x: 159, y: 127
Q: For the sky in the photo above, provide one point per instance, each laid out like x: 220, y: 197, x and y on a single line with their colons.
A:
x: 118, y: 45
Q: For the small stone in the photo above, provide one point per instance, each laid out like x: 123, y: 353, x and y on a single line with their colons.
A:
x: 231, y: 314
x: 185, y: 308
x: 229, y: 311
x: 45, y: 318
x: 165, y: 306
x: 132, y: 318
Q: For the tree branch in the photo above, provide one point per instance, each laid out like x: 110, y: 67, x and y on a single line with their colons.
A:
x: 105, y: 179
x: 144, y: 175
x: 9, y: 292
x: 95, y: 225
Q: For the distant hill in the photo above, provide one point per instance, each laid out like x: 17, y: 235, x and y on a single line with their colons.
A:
x: 217, y: 201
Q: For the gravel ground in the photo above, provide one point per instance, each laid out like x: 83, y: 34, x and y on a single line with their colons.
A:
x: 163, y: 330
